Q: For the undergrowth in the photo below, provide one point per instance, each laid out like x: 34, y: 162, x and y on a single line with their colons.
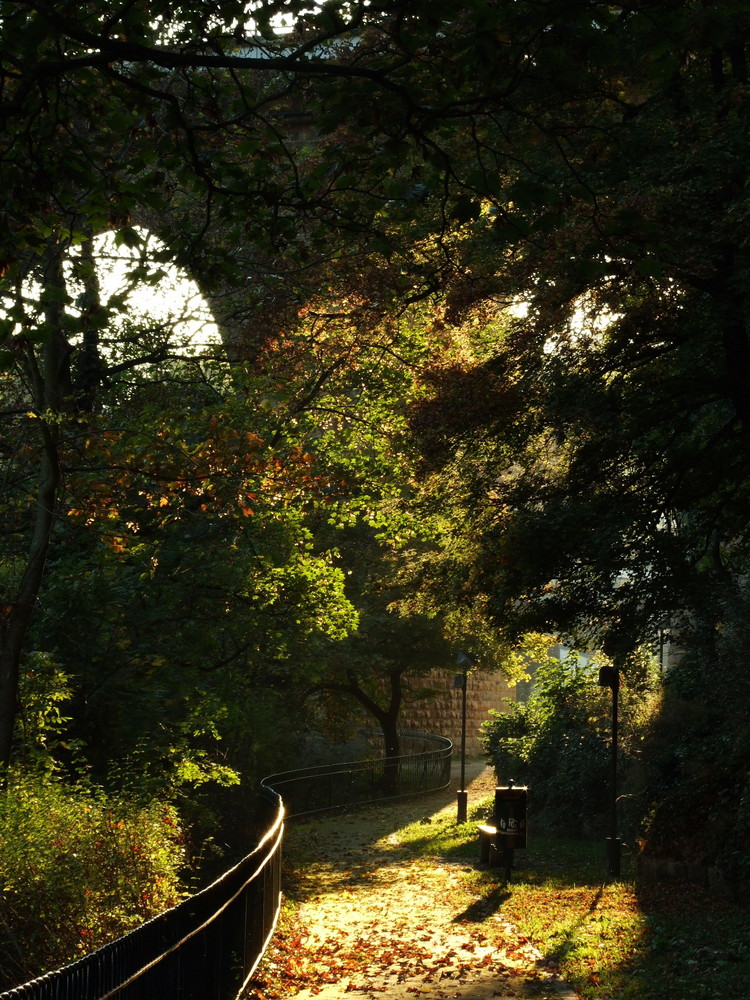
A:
x: 78, y: 868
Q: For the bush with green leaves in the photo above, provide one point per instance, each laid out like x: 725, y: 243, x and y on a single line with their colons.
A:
x: 78, y: 868
x: 558, y: 742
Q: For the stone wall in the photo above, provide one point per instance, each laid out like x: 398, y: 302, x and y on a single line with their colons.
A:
x: 441, y: 713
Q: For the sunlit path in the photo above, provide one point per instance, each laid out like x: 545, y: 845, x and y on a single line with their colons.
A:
x: 379, y: 916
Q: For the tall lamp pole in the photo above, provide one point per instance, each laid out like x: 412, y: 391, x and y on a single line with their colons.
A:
x: 610, y: 677
x: 464, y: 661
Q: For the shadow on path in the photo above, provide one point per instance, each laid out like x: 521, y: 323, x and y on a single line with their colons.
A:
x: 382, y: 918
x: 480, y: 909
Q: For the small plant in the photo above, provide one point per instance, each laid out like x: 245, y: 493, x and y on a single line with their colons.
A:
x: 41, y: 731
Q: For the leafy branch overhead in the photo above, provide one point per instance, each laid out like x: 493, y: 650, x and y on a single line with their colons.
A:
x: 480, y: 363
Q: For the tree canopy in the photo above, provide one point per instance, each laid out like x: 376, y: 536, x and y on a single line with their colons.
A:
x: 480, y: 279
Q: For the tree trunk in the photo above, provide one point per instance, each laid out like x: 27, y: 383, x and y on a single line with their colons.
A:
x: 391, y: 768
x: 51, y: 385
x: 18, y: 616
x: 388, y: 720
x: 737, y: 353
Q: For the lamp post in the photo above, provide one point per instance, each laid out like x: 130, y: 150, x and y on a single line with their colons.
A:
x: 610, y: 677
x: 464, y: 661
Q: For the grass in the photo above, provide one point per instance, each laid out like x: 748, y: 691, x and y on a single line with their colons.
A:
x: 610, y: 940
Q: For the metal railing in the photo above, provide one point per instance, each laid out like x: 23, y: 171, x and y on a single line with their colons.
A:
x: 205, y: 948
x: 209, y: 945
x: 423, y: 766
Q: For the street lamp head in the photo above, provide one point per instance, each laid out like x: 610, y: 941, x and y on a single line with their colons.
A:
x: 609, y: 677
x: 465, y: 661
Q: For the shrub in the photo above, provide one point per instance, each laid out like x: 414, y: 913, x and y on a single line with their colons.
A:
x: 78, y: 868
x: 558, y: 742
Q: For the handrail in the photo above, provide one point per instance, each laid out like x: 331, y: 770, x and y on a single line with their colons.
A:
x: 208, y: 946
x: 324, y: 787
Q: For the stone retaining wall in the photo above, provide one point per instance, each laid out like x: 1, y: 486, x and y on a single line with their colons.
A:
x: 441, y: 712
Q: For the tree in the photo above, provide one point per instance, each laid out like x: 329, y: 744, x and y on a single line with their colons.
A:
x: 606, y: 463
x: 557, y: 741
x: 109, y: 113
x: 524, y: 150
x: 391, y: 640
x: 83, y: 134
x: 157, y: 476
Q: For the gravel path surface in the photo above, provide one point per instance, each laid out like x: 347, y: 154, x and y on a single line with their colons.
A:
x: 377, y: 920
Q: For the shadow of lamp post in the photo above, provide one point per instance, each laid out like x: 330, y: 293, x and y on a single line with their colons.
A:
x: 609, y: 676
x: 464, y: 661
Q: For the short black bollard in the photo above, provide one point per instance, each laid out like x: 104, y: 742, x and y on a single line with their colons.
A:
x: 463, y: 804
x: 614, y: 845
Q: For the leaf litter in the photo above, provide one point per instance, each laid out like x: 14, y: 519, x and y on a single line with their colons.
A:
x: 370, y: 918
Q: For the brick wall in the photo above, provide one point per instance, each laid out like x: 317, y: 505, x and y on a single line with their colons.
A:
x: 441, y: 714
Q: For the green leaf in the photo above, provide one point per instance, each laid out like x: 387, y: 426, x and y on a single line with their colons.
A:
x: 510, y: 228
x: 529, y: 193
x: 649, y: 267
x: 129, y: 237
x: 485, y: 182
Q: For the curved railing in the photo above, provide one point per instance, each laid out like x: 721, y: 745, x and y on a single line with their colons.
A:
x: 423, y: 766
x: 208, y: 946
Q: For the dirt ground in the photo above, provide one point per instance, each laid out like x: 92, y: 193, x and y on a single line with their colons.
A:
x: 377, y: 921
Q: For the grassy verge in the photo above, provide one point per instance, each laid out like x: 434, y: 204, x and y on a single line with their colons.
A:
x: 609, y: 940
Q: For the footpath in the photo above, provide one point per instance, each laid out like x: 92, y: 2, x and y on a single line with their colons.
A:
x: 374, y: 919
